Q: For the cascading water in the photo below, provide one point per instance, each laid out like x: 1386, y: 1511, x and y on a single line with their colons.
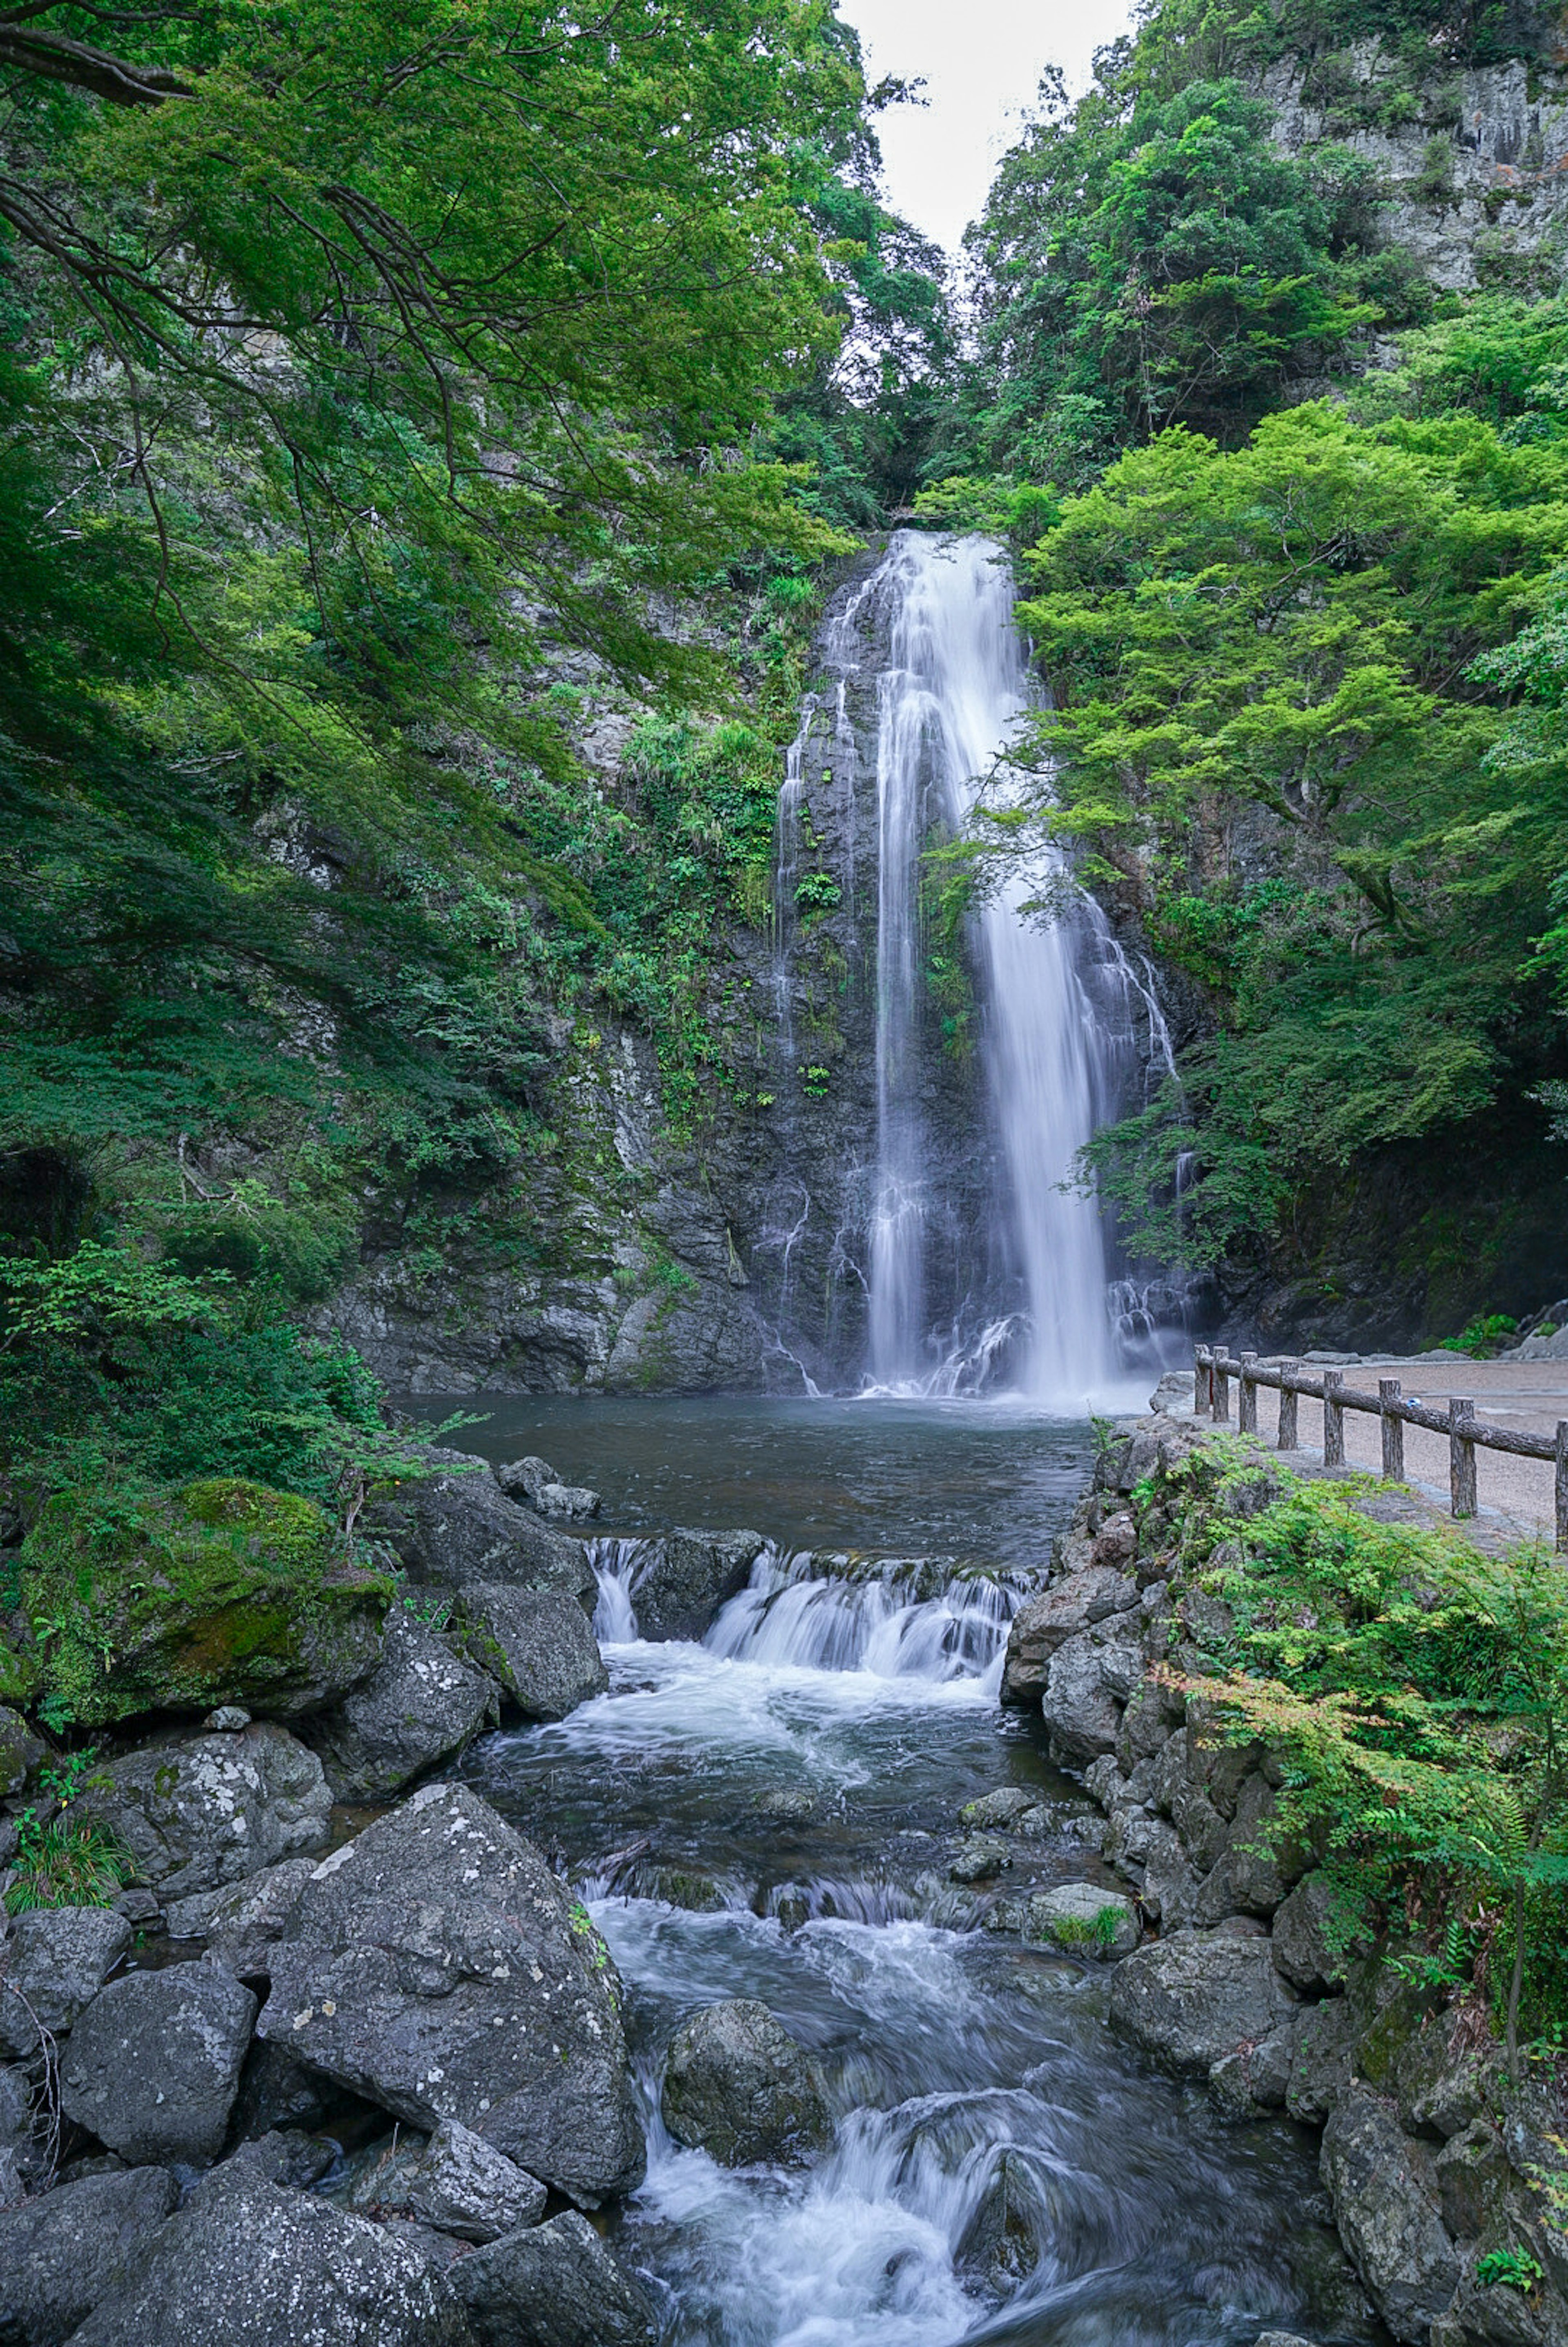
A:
x: 950, y: 700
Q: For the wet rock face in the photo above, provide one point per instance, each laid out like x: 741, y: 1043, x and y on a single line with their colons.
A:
x: 1387, y: 2207
x: 1190, y: 2001
x: 435, y: 1966
x: 59, y: 2255
x: 251, y: 2265
x: 211, y: 1810
x: 1065, y: 1611
x: 555, y: 2285
x: 536, y: 1643
x: 740, y: 2086
x: 1002, y: 2243
x: 152, y: 2067
x: 689, y: 1576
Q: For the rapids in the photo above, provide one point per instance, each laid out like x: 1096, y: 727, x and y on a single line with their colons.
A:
x: 771, y: 1814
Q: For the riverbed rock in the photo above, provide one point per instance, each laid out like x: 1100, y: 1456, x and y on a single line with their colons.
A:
x: 1385, y: 2204
x: 1087, y: 1680
x: 1190, y: 2001
x: 59, y: 2254
x: 461, y: 2184
x: 1083, y: 1919
x: 53, y: 1962
x: 553, y: 2285
x: 152, y: 2067
x: 535, y: 1481
x: 997, y: 1811
x: 736, y: 2085
x: 1000, y: 2246
x: 689, y: 1576
x: 1046, y: 1623
x: 437, y: 1967
x: 537, y: 1644
x: 209, y: 1810
x: 979, y: 1857
x: 223, y: 1592
x: 421, y: 1703
x: 457, y: 1525
x: 250, y: 2264
x: 241, y: 1921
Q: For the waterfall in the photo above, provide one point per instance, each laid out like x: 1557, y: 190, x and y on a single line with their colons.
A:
x: 950, y: 699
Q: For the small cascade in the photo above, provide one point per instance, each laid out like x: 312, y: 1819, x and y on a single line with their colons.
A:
x: 618, y: 1566
x: 893, y: 1617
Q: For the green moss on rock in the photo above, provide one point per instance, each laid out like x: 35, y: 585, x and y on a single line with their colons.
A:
x: 223, y: 1592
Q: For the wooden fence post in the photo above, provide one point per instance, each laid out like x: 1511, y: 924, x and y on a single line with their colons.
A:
x: 1333, y: 1419
x: 1289, y: 1401
x: 1461, y: 1458
x: 1246, y: 1395
x: 1393, y: 1430
x: 1202, y: 1354
x: 1219, y: 1384
x: 1562, y: 1484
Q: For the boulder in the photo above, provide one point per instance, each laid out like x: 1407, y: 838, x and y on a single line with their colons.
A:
x: 554, y: 2285
x: 536, y: 1643
x: 1322, y: 2057
x: 1083, y: 1917
x: 1246, y: 1877
x: 1065, y: 1611
x: 1302, y: 1948
x: 1169, y: 1889
x: 535, y: 1481
x: 1255, y: 2078
x: 21, y: 1752
x: 1079, y: 1704
x: 152, y: 2067
x: 53, y: 1962
x: 980, y: 1856
x: 1385, y: 2204
x: 250, y: 2264
x: 1471, y: 2176
x: 1190, y: 2001
x: 1443, y: 2088
x: 223, y: 1592
x: 22, y: 2148
x: 437, y: 1967
x: 59, y: 2254
x: 738, y: 2086
x: 239, y: 1921
x: 196, y: 1814
x: 1000, y: 2247
x: 419, y: 1705
x: 1000, y: 1809
x: 689, y: 1576
x: 455, y: 2183
x: 457, y: 1525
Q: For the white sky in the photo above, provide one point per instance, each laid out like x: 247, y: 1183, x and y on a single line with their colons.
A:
x: 981, y: 60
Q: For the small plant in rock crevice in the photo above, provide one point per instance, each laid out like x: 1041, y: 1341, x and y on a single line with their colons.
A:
x: 1513, y: 2268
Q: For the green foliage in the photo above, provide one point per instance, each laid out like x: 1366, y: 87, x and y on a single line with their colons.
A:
x: 1487, y: 1334
x: 1513, y: 2268
x: 65, y: 1861
x: 1416, y: 1693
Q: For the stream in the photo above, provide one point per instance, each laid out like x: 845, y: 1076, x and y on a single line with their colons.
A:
x: 772, y: 1814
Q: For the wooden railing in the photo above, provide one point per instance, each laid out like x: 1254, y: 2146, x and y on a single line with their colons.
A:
x: 1214, y: 1368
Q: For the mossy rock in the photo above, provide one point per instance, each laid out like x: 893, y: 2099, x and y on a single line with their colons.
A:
x: 224, y: 1591
x: 18, y: 1676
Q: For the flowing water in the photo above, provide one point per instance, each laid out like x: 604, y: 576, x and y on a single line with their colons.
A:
x: 1062, y: 1007
x: 772, y: 1814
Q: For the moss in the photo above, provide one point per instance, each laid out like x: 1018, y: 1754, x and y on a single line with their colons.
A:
x: 223, y: 1592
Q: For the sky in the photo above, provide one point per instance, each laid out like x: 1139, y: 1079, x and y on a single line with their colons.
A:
x: 981, y: 60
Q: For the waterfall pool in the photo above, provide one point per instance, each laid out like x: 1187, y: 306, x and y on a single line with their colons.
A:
x: 772, y: 1814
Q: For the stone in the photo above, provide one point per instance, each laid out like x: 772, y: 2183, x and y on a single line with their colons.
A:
x: 227, y: 1721
x: 193, y: 1815
x: 689, y: 1576
x: 1115, y: 1543
x: 537, y: 1481
x: 21, y: 1752
x: 1385, y: 2205
x: 536, y: 1643
x: 1168, y: 1893
x: 1080, y: 1917
x: 437, y: 1967
x: 1000, y: 1809
x: 981, y: 1856
x: 1175, y: 1395
x: 1472, y: 2174
x: 1190, y: 2001
x: 457, y: 1525
x: 1255, y: 2078
x: 1045, y: 1624
x: 1146, y: 1725
x: 53, y: 1962
x: 1082, y: 1714
x: 788, y: 1804
x: 21, y: 2149
x: 1439, y: 2091
x: 1001, y: 2245
x: 152, y: 2067
x: 59, y: 2254
x: 461, y: 2184
x: 1302, y: 1946
x: 223, y: 1592
x: 421, y: 1703
x: 554, y: 2285
x: 1322, y: 2059
x: 1246, y: 1877
x: 239, y: 1921
x: 251, y: 2264
x: 738, y: 2086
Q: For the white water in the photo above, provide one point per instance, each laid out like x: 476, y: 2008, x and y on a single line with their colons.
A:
x: 946, y: 2049
x: 951, y: 702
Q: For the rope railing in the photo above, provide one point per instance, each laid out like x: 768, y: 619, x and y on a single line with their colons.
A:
x: 1214, y: 1368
